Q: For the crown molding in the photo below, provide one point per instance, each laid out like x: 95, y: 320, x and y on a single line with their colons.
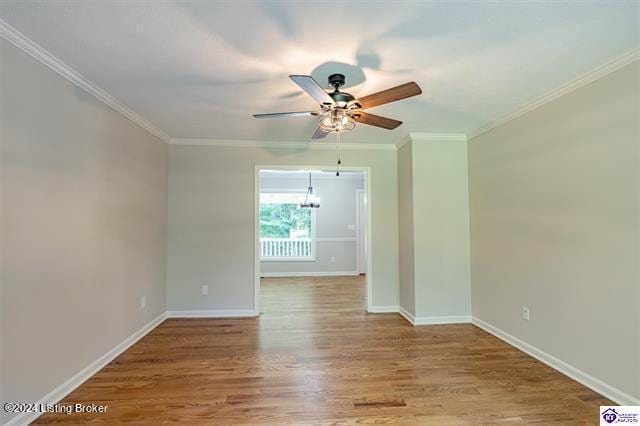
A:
x: 576, y: 83
x: 403, y: 141
x: 30, y: 47
x: 282, y: 145
x: 27, y: 45
x: 433, y: 137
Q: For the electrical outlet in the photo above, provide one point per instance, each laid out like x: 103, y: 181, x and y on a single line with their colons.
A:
x: 143, y: 302
x: 333, y: 259
x: 525, y: 313
x: 205, y: 290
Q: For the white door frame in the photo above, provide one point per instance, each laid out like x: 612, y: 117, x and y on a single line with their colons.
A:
x: 256, y: 226
x: 358, y: 236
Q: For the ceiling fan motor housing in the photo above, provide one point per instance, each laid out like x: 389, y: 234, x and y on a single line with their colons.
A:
x: 340, y: 98
x: 336, y: 80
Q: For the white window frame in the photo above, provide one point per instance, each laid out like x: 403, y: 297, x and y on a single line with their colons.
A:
x: 312, y: 257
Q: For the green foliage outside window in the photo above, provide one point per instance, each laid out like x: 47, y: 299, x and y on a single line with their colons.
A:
x: 284, y: 221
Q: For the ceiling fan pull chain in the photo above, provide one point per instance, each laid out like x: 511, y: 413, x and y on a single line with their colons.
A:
x: 338, y: 153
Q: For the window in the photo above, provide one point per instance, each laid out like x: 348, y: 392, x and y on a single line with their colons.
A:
x: 287, y: 232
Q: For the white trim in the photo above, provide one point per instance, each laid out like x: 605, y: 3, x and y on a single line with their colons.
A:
x: 369, y: 237
x: 435, y: 137
x: 288, y: 259
x: 257, y: 251
x: 438, y: 137
x: 282, y: 145
x: 219, y: 313
x: 383, y: 309
x: 309, y: 274
x: 336, y: 239
x: 284, y: 191
x: 403, y: 141
x: 83, y: 375
x: 360, y: 239
x: 27, y: 45
x: 569, y: 370
x: 444, y: 319
x: 407, y: 315
x: 416, y: 136
x: 576, y: 83
x: 367, y: 179
x: 288, y: 174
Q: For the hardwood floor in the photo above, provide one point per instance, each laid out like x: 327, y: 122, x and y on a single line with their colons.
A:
x: 315, y: 357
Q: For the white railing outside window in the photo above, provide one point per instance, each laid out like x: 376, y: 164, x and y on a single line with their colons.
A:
x: 285, y: 248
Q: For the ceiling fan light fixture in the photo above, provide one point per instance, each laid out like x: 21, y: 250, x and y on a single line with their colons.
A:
x: 336, y: 120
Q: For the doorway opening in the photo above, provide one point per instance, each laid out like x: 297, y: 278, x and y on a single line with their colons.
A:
x: 332, y: 240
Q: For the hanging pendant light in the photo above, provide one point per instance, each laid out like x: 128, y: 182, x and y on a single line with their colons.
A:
x: 310, y: 200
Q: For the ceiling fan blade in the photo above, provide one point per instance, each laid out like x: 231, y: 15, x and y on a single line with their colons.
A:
x: 309, y: 85
x: 319, y: 134
x: 375, y: 120
x: 403, y: 91
x: 287, y: 114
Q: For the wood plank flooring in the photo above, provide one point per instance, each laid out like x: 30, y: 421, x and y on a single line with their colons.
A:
x: 316, y: 358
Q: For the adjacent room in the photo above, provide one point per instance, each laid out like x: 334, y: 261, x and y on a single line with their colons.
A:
x: 319, y: 213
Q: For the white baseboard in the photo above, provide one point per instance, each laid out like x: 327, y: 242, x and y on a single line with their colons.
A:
x: 407, y: 315
x: 576, y: 374
x: 383, y: 309
x: 238, y: 313
x: 79, y: 378
x: 308, y: 274
x: 445, y: 319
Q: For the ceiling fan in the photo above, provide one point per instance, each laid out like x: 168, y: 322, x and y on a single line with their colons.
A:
x: 339, y: 111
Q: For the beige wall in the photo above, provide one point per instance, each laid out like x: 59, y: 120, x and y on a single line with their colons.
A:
x: 555, y: 226
x: 434, y: 230
x: 211, y: 221
x: 405, y: 231
x: 83, y: 225
x: 441, y: 227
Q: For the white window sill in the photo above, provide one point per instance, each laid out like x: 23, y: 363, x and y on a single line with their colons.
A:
x: 287, y: 259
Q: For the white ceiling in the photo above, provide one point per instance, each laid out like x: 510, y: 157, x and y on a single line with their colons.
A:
x: 199, y: 69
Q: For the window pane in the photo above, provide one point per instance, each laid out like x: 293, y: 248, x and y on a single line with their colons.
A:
x: 284, y: 220
x: 285, y: 228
